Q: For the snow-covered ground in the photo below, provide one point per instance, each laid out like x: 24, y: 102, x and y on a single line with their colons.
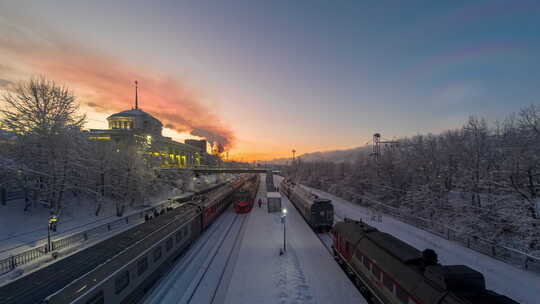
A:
x: 37, y: 264
x: 247, y: 268
x: 23, y: 230
x: 518, y: 284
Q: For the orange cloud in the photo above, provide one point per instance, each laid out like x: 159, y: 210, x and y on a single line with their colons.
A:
x: 109, y: 82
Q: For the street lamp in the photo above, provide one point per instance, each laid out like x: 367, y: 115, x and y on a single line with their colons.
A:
x: 283, y: 220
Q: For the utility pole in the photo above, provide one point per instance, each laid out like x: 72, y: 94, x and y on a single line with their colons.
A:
x: 293, y: 165
x: 377, y: 145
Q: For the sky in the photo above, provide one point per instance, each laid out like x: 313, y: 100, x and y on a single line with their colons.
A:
x: 266, y: 77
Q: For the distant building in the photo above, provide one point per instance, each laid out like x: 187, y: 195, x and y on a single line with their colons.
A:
x: 201, y: 144
x: 138, y: 127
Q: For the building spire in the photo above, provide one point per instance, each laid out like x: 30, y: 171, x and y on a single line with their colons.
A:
x: 136, y: 97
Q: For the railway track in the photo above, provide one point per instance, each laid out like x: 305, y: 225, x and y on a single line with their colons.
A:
x: 214, y: 270
x: 37, y: 285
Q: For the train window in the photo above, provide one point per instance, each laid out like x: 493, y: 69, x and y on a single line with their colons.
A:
x: 122, y: 281
x: 178, y: 236
x: 98, y: 298
x: 169, y: 244
x: 376, y: 271
x: 142, y: 265
x: 366, y: 262
x: 157, y: 253
x: 402, y: 295
x: 347, y: 247
x: 388, y: 282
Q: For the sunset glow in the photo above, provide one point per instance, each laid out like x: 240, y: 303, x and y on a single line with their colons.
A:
x: 265, y: 78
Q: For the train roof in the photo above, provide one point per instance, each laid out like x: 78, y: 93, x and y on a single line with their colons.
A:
x: 401, y: 250
x: 322, y: 200
x: 354, y: 231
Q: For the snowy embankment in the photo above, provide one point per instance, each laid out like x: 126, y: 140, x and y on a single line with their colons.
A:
x: 23, y: 230
x: 45, y: 260
x: 518, y: 284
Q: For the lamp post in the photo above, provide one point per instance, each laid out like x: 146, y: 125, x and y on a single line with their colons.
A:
x: 283, y: 220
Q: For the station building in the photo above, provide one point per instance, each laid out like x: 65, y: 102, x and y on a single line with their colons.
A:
x: 136, y: 127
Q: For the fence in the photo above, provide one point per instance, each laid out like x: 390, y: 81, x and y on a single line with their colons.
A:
x: 505, y: 254
x: 10, y: 263
x: 6, y: 195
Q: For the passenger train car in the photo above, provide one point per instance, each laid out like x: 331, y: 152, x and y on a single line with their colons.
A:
x: 244, y: 198
x: 318, y: 212
x: 396, y: 273
x: 127, y: 276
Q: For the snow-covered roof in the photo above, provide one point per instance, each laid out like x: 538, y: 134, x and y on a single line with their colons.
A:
x: 273, y: 195
x: 133, y: 112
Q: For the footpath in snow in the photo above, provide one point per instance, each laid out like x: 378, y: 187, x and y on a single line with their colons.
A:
x: 237, y: 261
x: 518, y: 284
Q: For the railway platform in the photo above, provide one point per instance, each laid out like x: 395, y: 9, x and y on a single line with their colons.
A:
x: 238, y: 261
x: 305, y: 273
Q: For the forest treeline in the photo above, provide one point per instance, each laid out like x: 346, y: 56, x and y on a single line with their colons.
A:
x: 481, y: 179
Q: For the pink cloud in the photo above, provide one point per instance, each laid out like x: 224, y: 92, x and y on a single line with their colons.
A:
x: 109, y: 83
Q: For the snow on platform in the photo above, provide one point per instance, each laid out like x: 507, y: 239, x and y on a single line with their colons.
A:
x: 518, y: 284
x: 306, y: 273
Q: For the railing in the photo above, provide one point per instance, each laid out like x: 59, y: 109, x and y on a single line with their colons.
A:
x: 6, y: 195
x: 10, y: 263
x: 505, y: 254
